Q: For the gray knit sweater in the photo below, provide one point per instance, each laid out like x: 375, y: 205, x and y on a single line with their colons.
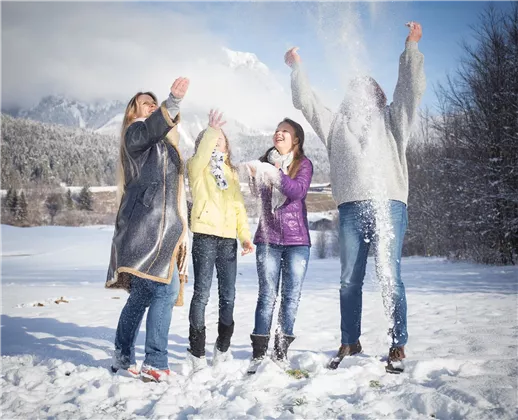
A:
x: 367, y: 154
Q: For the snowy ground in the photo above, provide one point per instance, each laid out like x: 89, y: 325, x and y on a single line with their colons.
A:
x: 462, y: 353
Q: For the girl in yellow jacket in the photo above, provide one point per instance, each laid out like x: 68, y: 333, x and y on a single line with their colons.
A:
x: 218, y: 216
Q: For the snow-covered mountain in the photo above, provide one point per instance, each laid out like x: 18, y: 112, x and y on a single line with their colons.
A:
x: 106, y: 116
x: 248, y: 65
x: 241, y: 70
x: 64, y: 111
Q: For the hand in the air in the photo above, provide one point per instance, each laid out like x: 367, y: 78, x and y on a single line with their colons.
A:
x: 179, y: 87
x: 291, y: 57
x: 416, y: 31
x: 216, y: 119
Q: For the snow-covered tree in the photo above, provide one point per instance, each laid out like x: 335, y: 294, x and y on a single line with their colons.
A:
x: 85, y: 200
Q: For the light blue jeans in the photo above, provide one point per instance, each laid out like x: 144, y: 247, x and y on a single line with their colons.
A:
x: 160, y: 298
x: 272, y: 261
x: 361, y: 223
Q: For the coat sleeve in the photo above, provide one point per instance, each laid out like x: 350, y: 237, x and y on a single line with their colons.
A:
x: 410, y: 87
x: 297, y: 188
x: 304, y: 99
x: 201, y: 158
x: 142, y: 135
x: 243, y: 229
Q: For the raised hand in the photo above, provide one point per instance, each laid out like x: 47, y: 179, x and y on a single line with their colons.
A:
x: 216, y: 119
x: 247, y: 248
x: 179, y: 87
x: 291, y: 57
x: 416, y: 31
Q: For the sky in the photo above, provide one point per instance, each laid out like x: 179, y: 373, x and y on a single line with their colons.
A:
x: 98, y: 50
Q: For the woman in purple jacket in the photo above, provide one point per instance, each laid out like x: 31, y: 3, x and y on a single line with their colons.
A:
x: 281, y: 179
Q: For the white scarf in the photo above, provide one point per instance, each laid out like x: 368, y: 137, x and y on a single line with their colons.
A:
x: 283, y: 161
x: 217, y: 160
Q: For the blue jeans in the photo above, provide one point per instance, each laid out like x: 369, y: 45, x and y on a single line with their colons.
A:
x: 272, y: 261
x: 363, y: 223
x: 160, y: 298
x: 209, y: 251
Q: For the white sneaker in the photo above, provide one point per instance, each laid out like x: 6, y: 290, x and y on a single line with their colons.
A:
x: 284, y: 364
x: 220, y: 356
x: 195, y: 363
x: 254, y: 365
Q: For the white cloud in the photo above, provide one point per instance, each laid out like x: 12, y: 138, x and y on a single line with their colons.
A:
x: 92, y: 51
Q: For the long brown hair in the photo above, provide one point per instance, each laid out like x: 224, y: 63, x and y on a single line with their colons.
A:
x: 298, y: 147
x: 228, y: 161
x: 130, y: 114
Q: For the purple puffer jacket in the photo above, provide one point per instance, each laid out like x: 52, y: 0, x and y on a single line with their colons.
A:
x: 288, y: 225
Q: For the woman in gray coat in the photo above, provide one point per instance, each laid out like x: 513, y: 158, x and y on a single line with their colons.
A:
x: 150, y: 229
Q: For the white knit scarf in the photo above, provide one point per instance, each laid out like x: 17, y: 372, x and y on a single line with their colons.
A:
x: 284, y: 161
x: 217, y: 160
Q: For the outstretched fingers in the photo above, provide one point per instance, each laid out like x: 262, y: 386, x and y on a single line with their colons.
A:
x: 180, y: 87
x: 216, y: 119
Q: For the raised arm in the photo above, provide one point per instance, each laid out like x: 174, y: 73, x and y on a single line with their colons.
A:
x: 318, y: 116
x: 143, y: 134
x: 201, y: 158
x: 410, y: 86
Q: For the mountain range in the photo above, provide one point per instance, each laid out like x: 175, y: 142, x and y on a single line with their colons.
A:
x: 104, y: 118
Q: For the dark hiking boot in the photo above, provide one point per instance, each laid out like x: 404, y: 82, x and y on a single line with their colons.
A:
x: 344, y: 350
x: 395, y: 360
x: 281, y: 344
x: 259, y: 349
x: 396, y: 354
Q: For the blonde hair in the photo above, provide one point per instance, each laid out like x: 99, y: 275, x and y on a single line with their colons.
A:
x: 129, y: 116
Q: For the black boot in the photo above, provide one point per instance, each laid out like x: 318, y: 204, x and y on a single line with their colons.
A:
x: 196, y: 342
x: 259, y: 349
x: 259, y: 345
x: 281, y: 344
x: 224, y: 335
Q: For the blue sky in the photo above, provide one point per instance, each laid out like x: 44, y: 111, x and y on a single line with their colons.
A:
x: 109, y: 50
x: 269, y: 28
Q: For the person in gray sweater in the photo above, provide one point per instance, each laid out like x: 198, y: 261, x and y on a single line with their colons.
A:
x: 366, y: 141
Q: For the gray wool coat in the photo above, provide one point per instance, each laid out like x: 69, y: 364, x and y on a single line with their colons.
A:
x: 367, y: 150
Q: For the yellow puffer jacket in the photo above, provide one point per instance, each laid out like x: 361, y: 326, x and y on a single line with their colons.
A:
x: 215, y: 211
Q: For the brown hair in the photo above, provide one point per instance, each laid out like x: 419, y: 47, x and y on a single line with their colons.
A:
x: 298, y: 147
x: 228, y: 161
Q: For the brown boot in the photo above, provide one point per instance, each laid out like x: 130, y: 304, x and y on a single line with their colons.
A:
x: 344, y: 350
x: 395, y: 360
x: 396, y: 354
